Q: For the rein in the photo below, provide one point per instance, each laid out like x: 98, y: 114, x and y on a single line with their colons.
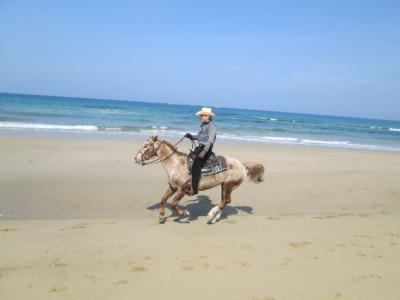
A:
x: 158, y: 160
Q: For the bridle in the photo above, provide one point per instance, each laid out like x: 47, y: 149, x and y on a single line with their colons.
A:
x: 149, y: 153
x: 152, y: 152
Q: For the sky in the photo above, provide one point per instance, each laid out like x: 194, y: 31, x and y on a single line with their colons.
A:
x: 322, y: 57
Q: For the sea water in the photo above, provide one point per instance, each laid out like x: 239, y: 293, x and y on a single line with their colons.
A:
x: 32, y: 114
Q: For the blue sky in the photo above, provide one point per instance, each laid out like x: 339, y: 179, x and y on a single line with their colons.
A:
x: 325, y: 57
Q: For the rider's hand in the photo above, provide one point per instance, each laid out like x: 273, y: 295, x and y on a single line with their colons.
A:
x: 202, y: 154
x: 189, y: 135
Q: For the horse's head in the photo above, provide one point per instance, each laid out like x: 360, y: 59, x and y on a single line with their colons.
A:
x: 148, y: 150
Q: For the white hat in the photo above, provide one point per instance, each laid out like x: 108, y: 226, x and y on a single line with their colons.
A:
x: 205, y: 111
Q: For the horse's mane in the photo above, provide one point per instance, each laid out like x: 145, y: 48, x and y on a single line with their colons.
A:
x: 170, y: 145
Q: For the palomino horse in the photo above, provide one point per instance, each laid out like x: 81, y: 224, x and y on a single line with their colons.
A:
x: 175, y: 162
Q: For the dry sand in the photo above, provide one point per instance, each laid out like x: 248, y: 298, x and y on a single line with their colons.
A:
x: 79, y: 220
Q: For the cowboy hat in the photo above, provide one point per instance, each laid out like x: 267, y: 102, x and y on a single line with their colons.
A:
x: 205, y: 111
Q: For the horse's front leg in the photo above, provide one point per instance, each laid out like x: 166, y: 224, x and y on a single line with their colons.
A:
x: 179, y: 195
x: 168, y: 193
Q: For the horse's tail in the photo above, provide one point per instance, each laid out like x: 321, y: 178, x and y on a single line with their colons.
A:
x: 255, y: 172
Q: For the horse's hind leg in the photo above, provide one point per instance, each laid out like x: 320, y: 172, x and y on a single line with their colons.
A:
x: 215, y: 213
x: 168, y: 193
x: 183, y: 213
x: 226, y: 190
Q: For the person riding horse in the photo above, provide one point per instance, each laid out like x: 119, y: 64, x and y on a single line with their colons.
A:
x: 206, y: 137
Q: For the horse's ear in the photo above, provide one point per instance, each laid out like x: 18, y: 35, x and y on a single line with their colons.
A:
x: 154, y: 138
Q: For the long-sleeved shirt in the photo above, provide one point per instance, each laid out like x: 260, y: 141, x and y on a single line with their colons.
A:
x: 207, y: 135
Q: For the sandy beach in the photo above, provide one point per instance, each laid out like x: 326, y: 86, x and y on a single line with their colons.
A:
x: 79, y: 220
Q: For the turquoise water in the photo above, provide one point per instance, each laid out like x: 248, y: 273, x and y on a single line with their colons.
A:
x: 30, y: 114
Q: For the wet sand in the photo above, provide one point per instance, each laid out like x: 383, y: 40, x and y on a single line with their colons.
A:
x: 80, y: 220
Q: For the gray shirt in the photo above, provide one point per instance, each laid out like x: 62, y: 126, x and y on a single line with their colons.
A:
x: 207, y: 135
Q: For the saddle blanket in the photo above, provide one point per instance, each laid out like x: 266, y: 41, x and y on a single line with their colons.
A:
x: 214, y: 164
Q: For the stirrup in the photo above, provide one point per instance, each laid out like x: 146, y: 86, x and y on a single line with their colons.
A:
x: 188, y: 188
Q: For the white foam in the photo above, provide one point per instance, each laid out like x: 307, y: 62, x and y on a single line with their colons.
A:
x: 309, y: 142
x: 318, y: 142
x: 280, y: 139
x: 160, y: 130
x: 33, y: 126
x: 163, y: 130
x: 114, y: 111
x: 112, y: 128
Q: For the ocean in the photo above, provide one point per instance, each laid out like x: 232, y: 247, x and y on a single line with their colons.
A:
x: 49, y: 115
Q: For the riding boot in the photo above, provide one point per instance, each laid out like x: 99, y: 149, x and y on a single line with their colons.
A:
x: 198, y: 164
x: 196, y: 173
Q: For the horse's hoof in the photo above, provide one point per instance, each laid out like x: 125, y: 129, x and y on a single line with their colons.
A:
x: 162, y: 220
x: 213, y: 212
x: 185, y: 213
x: 217, y: 217
x: 214, y: 215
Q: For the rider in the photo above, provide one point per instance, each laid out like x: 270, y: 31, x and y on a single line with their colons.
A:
x: 206, y: 137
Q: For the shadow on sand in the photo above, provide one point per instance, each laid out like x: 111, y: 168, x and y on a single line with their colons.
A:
x: 200, y: 207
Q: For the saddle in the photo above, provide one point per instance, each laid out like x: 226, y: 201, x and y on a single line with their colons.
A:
x: 214, y: 164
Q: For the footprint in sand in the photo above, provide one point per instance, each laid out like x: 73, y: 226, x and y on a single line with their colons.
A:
x: 201, y: 260
x: 91, y: 277
x: 336, y: 295
x: 247, y: 247
x: 80, y: 226
x: 245, y: 264
x: 59, y: 289
x: 362, y: 236
x: 331, y: 216
x: 362, y: 246
x: 136, y: 268
x: 187, y: 268
x: 57, y: 264
x: 374, y: 205
x: 8, y: 229
x: 397, y: 235
x: 77, y: 226
x: 361, y: 254
x: 313, y: 257
x: 297, y: 245
x: 220, y: 267
x: 363, y: 278
x: 272, y: 219
x: 287, y: 261
x: 121, y: 282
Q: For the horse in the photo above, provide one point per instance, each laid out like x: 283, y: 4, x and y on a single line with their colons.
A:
x: 175, y: 164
